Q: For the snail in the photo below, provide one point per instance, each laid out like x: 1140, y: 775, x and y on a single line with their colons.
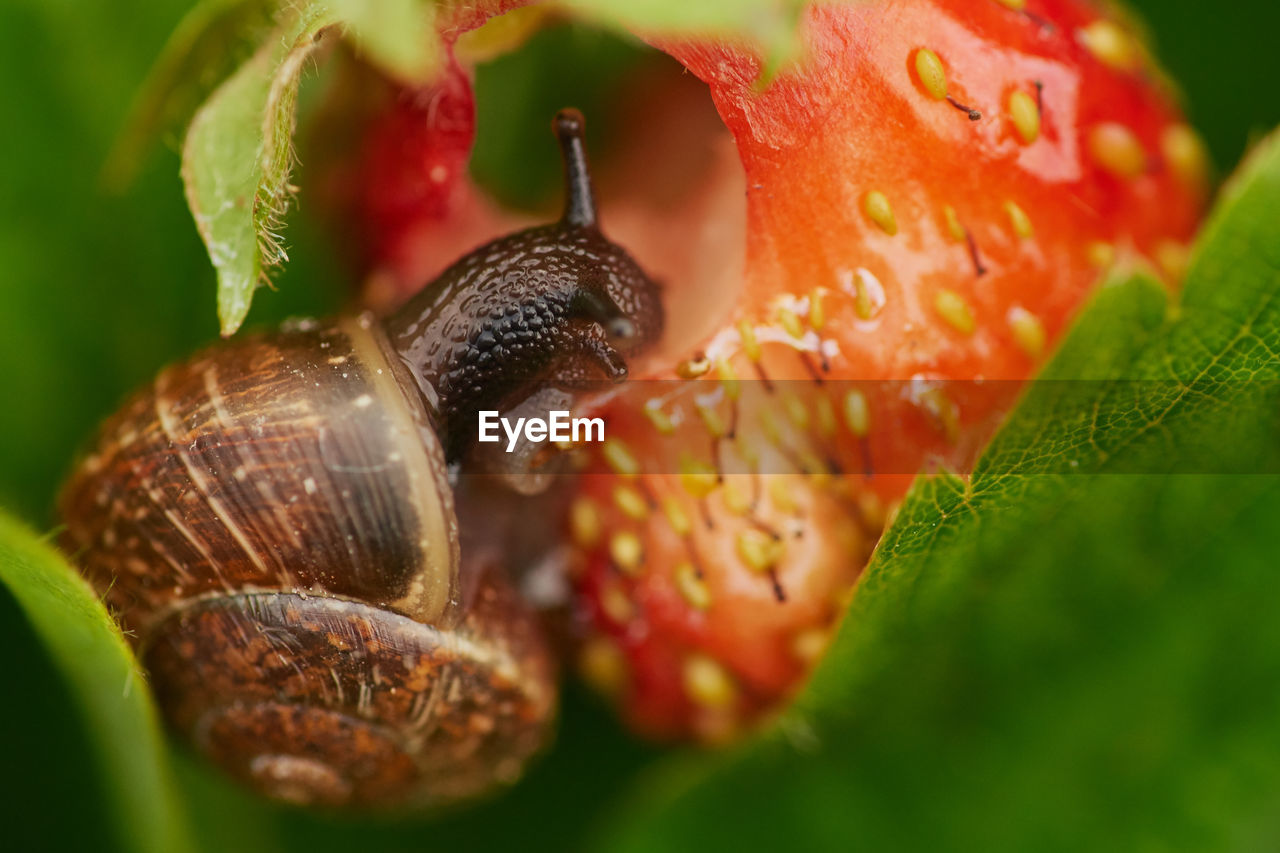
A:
x: 273, y: 522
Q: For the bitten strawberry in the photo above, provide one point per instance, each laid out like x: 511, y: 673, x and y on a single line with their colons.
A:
x: 931, y: 195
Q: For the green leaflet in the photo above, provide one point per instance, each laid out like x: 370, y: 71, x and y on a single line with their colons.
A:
x: 1054, y: 654
x: 395, y: 35
x: 773, y: 25
x: 236, y: 163
x: 213, y: 39
x: 93, y: 658
x: 238, y: 152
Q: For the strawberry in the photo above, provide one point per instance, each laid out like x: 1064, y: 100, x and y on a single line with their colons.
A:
x: 931, y: 195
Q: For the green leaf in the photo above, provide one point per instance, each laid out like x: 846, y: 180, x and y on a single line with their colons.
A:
x: 237, y: 159
x: 1071, y: 649
x: 394, y: 35
x: 770, y: 25
x: 214, y: 38
x: 92, y: 655
x: 238, y: 153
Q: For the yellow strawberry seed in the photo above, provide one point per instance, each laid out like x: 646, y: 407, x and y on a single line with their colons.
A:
x: 584, y: 523
x: 1019, y: 220
x: 626, y: 551
x: 1025, y: 116
x: 1117, y: 149
x: 1027, y: 330
x: 693, y: 589
x: 953, y: 308
x: 857, y: 415
x: 631, y: 502
x: 932, y: 75
x: 876, y: 205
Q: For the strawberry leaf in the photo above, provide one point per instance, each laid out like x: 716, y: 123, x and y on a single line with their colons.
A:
x: 1073, y: 648
x: 770, y: 25
x: 238, y: 153
x: 392, y: 34
x: 93, y: 657
x: 211, y: 41
x: 237, y: 159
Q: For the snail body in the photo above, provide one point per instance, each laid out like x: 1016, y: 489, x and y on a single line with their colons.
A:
x: 273, y: 522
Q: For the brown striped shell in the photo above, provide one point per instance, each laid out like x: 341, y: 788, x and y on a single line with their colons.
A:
x: 272, y: 522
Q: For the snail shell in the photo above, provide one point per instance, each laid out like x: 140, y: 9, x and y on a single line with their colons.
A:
x: 273, y: 522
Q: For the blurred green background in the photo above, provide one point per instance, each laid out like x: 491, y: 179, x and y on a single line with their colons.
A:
x: 97, y: 291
